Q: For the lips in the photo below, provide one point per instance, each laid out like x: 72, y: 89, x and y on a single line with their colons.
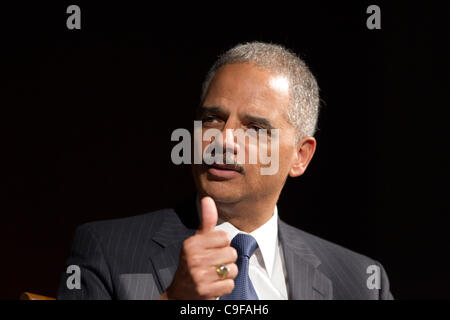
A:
x: 225, y: 167
x: 223, y: 171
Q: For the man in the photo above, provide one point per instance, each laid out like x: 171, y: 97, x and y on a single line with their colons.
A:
x: 229, y: 242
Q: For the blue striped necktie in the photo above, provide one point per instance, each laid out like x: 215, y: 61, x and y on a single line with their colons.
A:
x: 245, y: 245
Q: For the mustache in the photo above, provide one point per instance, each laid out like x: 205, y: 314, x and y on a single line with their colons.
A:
x: 226, y: 160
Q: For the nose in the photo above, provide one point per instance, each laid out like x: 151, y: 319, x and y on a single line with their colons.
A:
x: 229, y: 141
x: 228, y: 144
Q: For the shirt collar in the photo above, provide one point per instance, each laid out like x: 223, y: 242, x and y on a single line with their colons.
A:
x: 266, y: 236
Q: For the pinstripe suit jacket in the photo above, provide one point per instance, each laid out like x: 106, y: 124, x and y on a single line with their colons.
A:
x: 136, y: 258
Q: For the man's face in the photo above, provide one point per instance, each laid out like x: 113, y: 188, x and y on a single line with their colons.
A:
x: 244, y: 96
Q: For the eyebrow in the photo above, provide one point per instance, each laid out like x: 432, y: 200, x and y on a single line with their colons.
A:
x: 221, y: 111
x: 263, y: 121
x: 212, y: 110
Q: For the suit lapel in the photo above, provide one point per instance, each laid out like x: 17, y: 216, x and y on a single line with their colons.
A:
x: 175, y: 228
x: 305, y: 281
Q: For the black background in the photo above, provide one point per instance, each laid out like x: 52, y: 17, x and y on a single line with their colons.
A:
x: 87, y: 115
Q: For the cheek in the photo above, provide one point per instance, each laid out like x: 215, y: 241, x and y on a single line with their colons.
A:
x: 286, y: 154
x: 252, y: 153
x: 205, y: 144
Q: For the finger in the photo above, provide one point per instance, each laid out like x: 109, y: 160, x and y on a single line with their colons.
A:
x: 218, y: 256
x: 215, y: 239
x: 218, y: 288
x: 208, y: 216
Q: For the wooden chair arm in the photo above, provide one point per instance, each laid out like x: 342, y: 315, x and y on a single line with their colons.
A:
x: 34, y: 296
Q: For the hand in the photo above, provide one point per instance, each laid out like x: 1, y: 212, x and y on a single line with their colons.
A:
x: 196, y: 276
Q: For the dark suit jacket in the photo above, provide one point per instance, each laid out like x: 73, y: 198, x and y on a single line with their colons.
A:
x: 136, y: 258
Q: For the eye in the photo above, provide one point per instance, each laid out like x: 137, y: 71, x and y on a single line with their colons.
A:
x: 209, y: 119
x: 255, y: 127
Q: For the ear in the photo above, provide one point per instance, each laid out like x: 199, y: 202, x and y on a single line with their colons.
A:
x: 304, y: 152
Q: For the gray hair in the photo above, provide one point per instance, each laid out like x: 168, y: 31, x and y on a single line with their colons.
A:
x: 304, y: 91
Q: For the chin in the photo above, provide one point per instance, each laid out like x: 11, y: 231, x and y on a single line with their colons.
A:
x: 222, y: 191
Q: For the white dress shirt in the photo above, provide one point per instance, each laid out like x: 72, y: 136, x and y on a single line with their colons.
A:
x: 266, y: 269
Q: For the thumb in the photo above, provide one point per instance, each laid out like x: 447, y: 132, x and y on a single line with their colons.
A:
x: 209, y: 215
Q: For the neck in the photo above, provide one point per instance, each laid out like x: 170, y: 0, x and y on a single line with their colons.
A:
x: 247, y: 216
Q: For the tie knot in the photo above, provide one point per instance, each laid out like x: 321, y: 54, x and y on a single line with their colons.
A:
x: 244, y: 244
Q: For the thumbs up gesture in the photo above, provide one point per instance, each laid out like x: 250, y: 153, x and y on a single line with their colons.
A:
x: 196, y: 276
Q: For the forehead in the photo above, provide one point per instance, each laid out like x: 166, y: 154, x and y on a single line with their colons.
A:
x: 244, y: 87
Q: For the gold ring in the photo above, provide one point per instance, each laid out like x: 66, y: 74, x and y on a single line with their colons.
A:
x: 222, y: 271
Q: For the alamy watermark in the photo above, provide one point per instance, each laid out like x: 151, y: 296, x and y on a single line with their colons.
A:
x: 74, y: 279
x: 374, y: 280
x: 262, y: 147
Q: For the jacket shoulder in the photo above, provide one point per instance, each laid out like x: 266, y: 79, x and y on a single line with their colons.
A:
x: 330, y: 249
x: 140, y: 226
x: 348, y: 270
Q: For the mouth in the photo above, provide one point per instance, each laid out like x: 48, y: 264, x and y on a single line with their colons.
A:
x: 224, y: 171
